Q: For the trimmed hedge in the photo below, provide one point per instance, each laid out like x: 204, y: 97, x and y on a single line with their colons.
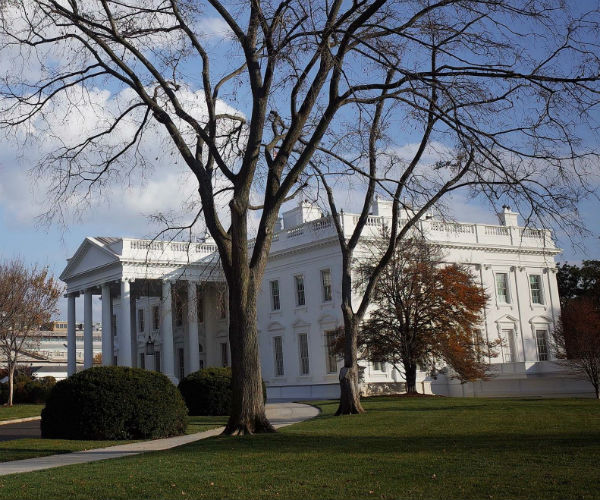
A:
x: 208, y: 391
x: 114, y: 402
x: 28, y: 390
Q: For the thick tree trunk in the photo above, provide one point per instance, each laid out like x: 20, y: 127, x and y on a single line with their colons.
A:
x: 248, y: 408
x: 11, y: 384
x: 410, y: 372
x: 349, y: 391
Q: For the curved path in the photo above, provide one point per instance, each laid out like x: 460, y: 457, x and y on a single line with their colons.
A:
x: 280, y: 415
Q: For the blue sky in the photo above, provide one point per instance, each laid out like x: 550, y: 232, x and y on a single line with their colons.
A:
x: 122, y: 209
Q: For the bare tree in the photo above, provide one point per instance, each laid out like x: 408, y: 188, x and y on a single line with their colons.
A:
x: 307, y: 68
x: 576, y: 339
x: 489, y: 115
x: 28, y: 298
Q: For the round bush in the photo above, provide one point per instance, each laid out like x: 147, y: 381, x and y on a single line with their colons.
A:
x: 114, y: 402
x: 208, y: 391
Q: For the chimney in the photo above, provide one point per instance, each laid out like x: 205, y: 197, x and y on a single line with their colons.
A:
x: 508, y: 217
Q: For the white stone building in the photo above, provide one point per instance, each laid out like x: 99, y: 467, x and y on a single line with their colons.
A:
x: 154, y: 281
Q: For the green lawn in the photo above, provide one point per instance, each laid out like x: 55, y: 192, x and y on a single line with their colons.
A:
x: 20, y: 411
x: 19, y: 449
x: 401, y: 448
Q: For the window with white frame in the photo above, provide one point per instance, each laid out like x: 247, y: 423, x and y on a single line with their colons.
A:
x: 222, y: 305
x: 278, y: 354
x: 224, y: 354
x: 155, y: 318
x: 299, y: 284
x: 275, y: 302
x: 379, y: 366
x: 535, y: 285
x: 326, y: 284
x: 331, y: 356
x: 141, y: 324
x: 200, y: 305
x: 542, y: 345
x: 502, y: 288
x: 303, y: 350
x: 508, y: 345
x: 181, y: 363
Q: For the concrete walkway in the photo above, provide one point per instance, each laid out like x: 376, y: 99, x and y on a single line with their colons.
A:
x: 280, y: 415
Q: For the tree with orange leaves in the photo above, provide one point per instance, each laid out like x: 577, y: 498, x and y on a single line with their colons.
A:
x: 576, y: 338
x: 426, y: 313
x: 28, y: 298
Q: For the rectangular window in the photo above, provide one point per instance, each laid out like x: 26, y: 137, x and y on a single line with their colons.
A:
x: 142, y: 361
x: 331, y: 356
x: 178, y: 311
x: 278, y: 352
x: 535, y: 285
x: 542, y: 345
x: 141, y: 324
x: 157, y: 360
x: 326, y: 283
x: 181, y: 360
x: 299, y: 282
x: 200, y: 306
x: 113, y: 325
x: 222, y: 305
x: 275, y: 304
x: 224, y: 354
x: 502, y: 287
x: 379, y: 366
x: 155, y: 318
x: 508, y: 346
x: 303, y: 348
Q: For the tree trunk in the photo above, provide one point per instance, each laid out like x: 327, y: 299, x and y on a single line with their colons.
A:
x: 349, y: 392
x: 247, y: 401
x: 410, y: 372
x: 11, y: 383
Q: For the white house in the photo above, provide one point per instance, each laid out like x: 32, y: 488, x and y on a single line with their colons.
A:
x: 174, y: 298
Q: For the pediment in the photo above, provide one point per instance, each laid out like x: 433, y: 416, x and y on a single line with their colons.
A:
x: 275, y: 325
x: 327, y: 319
x: 507, y: 318
x: 540, y: 319
x: 300, y: 323
x: 89, y: 256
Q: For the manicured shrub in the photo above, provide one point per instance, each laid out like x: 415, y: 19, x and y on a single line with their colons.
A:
x: 208, y: 391
x: 114, y: 402
x: 28, y: 390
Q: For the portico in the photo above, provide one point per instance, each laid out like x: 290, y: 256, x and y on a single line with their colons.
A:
x: 164, y: 315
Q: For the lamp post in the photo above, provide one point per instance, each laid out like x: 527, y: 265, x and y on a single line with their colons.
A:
x: 150, y: 354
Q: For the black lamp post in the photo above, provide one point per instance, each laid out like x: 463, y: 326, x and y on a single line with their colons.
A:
x: 150, y: 347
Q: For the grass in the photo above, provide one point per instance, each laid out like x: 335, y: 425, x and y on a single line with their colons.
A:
x: 20, y: 411
x: 20, y: 449
x: 400, y: 448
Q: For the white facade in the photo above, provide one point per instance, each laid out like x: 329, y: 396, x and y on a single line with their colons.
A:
x: 300, y: 303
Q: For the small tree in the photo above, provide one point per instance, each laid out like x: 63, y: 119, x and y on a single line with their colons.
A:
x: 28, y: 297
x: 576, y: 339
x: 578, y: 281
x: 426, y: 312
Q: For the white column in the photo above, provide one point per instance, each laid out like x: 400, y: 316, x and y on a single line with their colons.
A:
x: 134, y: 344
x: 124, y: 331
x: 210, y: 326
x: 193, y: 353
x: 107, y: 350
x: 166, y: 332
x: 88, y: 339
x: 71, y: 340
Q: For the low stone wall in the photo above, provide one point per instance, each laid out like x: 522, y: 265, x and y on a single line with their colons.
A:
x: 382, y: 388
